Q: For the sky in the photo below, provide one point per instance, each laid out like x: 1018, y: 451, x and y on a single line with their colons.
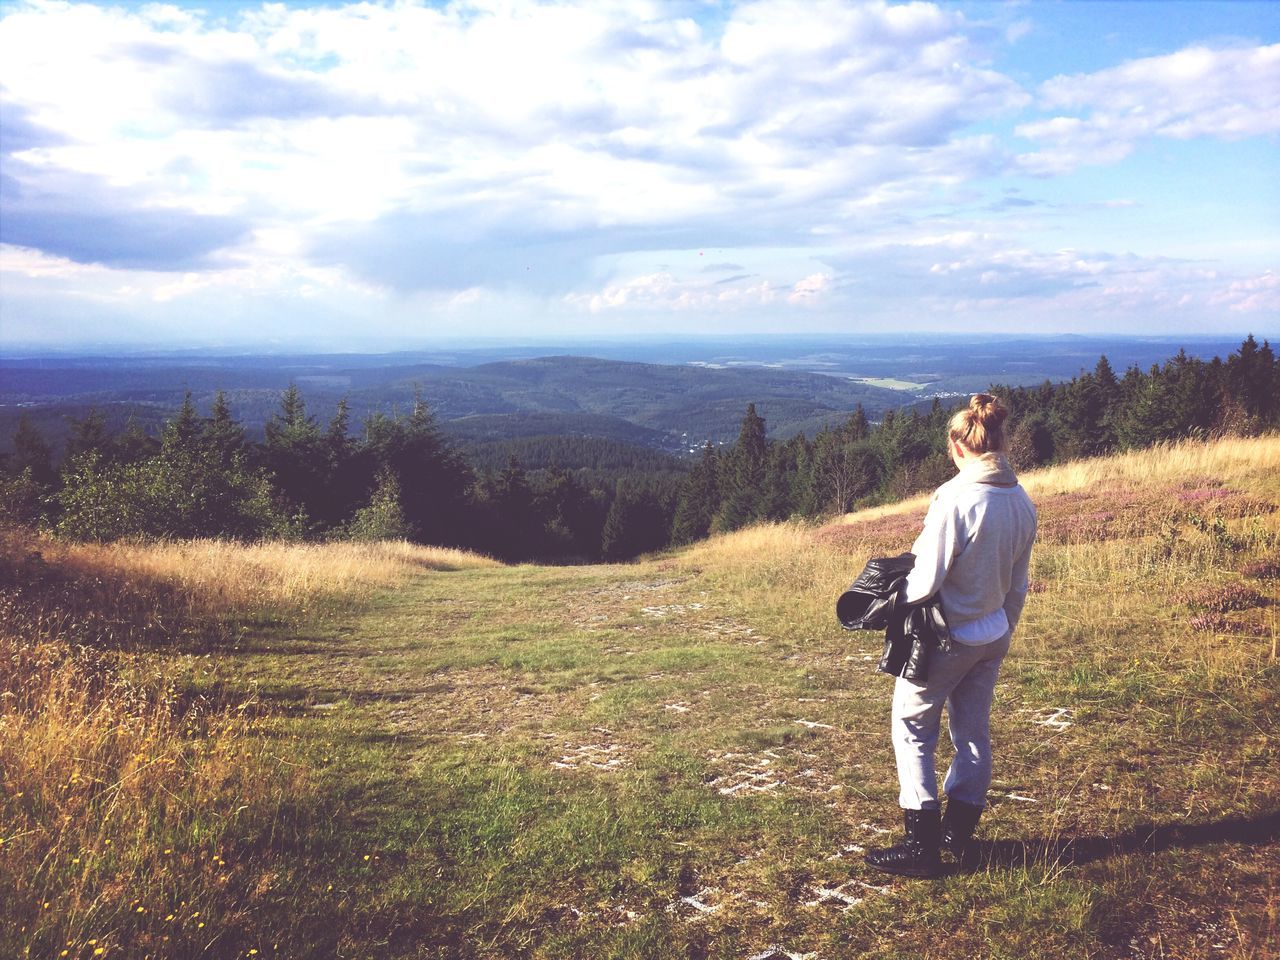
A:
x: 387, y: 174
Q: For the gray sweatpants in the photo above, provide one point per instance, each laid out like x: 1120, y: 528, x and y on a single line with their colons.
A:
x: 965, y: 680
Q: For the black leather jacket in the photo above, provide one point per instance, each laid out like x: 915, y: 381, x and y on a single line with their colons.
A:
x: 874, y: 601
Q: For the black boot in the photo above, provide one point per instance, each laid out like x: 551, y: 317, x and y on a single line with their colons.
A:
x: 958, y: 824
x: 917, y: 854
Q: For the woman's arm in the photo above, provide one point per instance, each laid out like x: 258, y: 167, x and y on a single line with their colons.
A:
x: 935, y: 548
x: 1018, y: 586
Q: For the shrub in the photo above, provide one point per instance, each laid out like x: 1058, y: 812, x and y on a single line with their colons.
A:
x: 383, y: 517
x: 1235, y: 596
x: 179, y: 494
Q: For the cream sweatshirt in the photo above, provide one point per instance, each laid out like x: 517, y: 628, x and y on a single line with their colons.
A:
x: 975, y: 548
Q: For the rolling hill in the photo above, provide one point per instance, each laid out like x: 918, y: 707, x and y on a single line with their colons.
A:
x: 671, y: 407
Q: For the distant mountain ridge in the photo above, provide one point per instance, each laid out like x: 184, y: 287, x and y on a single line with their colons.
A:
x: 669, y: 406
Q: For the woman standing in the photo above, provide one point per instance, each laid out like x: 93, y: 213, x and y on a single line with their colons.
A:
x: 974, y: 553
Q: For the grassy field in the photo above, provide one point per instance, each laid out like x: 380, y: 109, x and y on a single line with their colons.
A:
x: 395, y: 752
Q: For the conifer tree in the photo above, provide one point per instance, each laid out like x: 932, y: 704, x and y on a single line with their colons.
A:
x: 571, y: 522
x: 1251, y: 382
x: 1148, y: 415
x: 1108, y: 397
x: 699, y: 498
x: 89, y: 434
x: 31, y: 452
x: 345, y: 475
x: 27, y: 477
x: 134, y: 444
x: 183, y: 434
x: 803, y: 501
x: 222, y: 432
x: 857, y: 427
x: 294, y: 456
x: 744, y: 474
x: 434, y: 478
x: 518, y: 521
x: 635, y: 524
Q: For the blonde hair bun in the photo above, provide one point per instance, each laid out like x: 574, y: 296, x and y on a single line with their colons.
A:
x: 980, y: 426
x: 988, y: 409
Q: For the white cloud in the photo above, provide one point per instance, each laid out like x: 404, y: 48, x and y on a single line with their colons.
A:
x: 558, y: 159
x: 811, y: 289
x: 503, y: 118
x: 1252, y: 295
x: 664, y: 292
x: 1227, y: 94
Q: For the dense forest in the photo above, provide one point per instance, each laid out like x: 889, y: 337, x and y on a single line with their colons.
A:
x: 402, y: 476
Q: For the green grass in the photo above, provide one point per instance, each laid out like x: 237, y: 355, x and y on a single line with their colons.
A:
x: 449, y: 729
x: 450, y: 809
x: 889, y: 383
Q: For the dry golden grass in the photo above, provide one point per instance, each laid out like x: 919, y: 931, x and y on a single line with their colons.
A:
x: 1225, y: 460
x: 294, y: 575
x: 914, y: 504
x: 1148, y: 524
x: 1230, y: 460
x: 126, y: 790
x: 799, y: 573
x: 123, y: 805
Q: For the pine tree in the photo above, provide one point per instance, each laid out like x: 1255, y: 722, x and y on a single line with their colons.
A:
x: 27, y: 477
x: 1108, y: 396
x: 345, y: 475
x: 699, y: 498
x: 636, y: 523
x: 184, y: 432
x: 742, y: 494
x: 857, y: 427
x: 438, y: 478
x: 89, y: 434
x: 519, y: 521
x: 571, y: 521
x: 1251, y: 382
x: 30, y: 452
x: 802, y: 491
x: 1081, y: 412
x: 134, y: 444
x: 294, y: 456
x: 222, y: 433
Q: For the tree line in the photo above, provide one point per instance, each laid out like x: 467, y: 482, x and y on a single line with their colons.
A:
x: 400, y: 476
x: 858, y: 463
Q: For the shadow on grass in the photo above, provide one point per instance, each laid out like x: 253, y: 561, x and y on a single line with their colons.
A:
x: 297, y: 700
x: 1144, y: 838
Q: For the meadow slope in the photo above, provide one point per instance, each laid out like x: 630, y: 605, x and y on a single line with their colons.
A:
x: 683, y: 757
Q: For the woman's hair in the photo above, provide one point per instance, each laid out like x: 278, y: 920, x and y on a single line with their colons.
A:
x: 980, y: 426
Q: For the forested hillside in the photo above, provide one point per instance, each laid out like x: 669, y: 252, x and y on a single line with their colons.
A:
x: 668, y: 406
x: 574, y: 498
